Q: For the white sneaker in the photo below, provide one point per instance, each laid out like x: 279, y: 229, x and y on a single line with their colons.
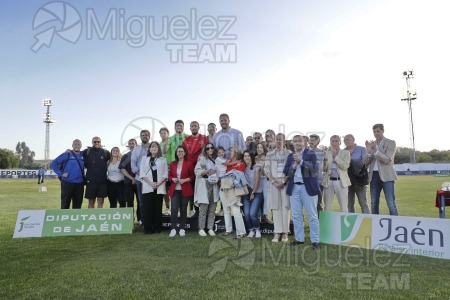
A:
x: 172, y: 233
x: 182, y: 232
x: 211, y: 232
x: 201, y: 232
x: 257, y: 233
x: 251, y: 233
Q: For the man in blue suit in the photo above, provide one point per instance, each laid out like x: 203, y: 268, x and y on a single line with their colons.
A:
x: 303, y: 188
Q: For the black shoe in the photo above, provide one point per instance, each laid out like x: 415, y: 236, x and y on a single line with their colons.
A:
x: 315, y: 246
x: 296, y: 243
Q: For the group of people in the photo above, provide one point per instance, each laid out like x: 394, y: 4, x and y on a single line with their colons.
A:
x: 248, y: 177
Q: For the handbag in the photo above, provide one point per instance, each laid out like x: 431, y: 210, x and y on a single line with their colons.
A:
x: 213, y: 179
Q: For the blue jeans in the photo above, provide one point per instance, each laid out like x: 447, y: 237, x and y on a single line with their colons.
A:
x: 299, y: 200
x: 251, y: 209
x: 376, y: 185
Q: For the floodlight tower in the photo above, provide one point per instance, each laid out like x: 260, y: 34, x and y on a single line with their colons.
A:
x: 47, y: 120
x: 410, y: 96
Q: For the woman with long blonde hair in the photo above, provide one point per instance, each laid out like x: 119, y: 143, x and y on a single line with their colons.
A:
x: 115, y: 180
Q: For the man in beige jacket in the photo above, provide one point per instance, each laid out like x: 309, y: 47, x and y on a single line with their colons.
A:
x: 336, y: 180
x: 382, y: 175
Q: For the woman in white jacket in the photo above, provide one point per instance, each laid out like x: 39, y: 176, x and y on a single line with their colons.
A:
x: 153, y: 172
x: 206, y: 192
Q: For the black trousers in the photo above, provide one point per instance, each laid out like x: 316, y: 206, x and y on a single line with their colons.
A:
x: 178, y: 201
x: 115, y: 193
x: 71, y: 192
x: 130, y: 192
x: 151, y: 206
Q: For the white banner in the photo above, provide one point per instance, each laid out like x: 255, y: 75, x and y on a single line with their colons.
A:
x: 408, y: 235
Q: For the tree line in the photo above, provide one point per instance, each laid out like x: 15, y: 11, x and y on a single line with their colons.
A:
x: 22, y: 158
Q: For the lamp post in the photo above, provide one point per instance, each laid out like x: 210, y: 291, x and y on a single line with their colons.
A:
x: 410, y: 96
x: 47, y: 120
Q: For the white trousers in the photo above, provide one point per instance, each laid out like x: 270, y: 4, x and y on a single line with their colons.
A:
x: 335, y: 188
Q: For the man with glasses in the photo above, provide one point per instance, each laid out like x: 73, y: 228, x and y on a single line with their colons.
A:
x: 96, y: 163
x: 257, y: 137
x: 136, y: 156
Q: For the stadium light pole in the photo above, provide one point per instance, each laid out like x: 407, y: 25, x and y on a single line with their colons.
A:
x: 410, y: 96
x: 47, y: 120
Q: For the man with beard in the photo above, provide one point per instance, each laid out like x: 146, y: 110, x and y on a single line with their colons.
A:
x: 194, y: 143
x: 194, y: 146
x: 228, y: 137
x: 136, y: 156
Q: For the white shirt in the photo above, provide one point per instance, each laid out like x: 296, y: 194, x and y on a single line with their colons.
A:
x: 114, y: 174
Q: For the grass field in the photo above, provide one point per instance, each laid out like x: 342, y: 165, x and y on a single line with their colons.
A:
x: 139, y: 266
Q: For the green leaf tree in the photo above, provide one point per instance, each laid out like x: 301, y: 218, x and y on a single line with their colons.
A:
x: 424, y: 158
x: 26, y: 156
x: 8, y: 159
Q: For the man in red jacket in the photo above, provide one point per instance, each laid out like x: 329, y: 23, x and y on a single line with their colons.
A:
x: 194, y: 145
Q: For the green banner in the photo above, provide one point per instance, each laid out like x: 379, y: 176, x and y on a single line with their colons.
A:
x: 69, y: 222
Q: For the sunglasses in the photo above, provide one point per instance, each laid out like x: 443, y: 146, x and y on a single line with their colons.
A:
x: 209, y: 148
x: 96, y: 142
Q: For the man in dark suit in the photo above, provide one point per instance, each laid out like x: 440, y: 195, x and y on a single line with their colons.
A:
x: 301, y: 171
x: 130, y: 188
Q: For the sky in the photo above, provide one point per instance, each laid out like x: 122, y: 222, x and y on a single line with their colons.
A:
x: 112, y: 68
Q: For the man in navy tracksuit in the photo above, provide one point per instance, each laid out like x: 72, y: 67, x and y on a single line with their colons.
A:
x: 41, y: 173
x: 69, y: 167
x: 96, y: 162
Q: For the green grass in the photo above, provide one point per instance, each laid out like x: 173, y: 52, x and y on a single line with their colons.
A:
x: 139, y: 266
